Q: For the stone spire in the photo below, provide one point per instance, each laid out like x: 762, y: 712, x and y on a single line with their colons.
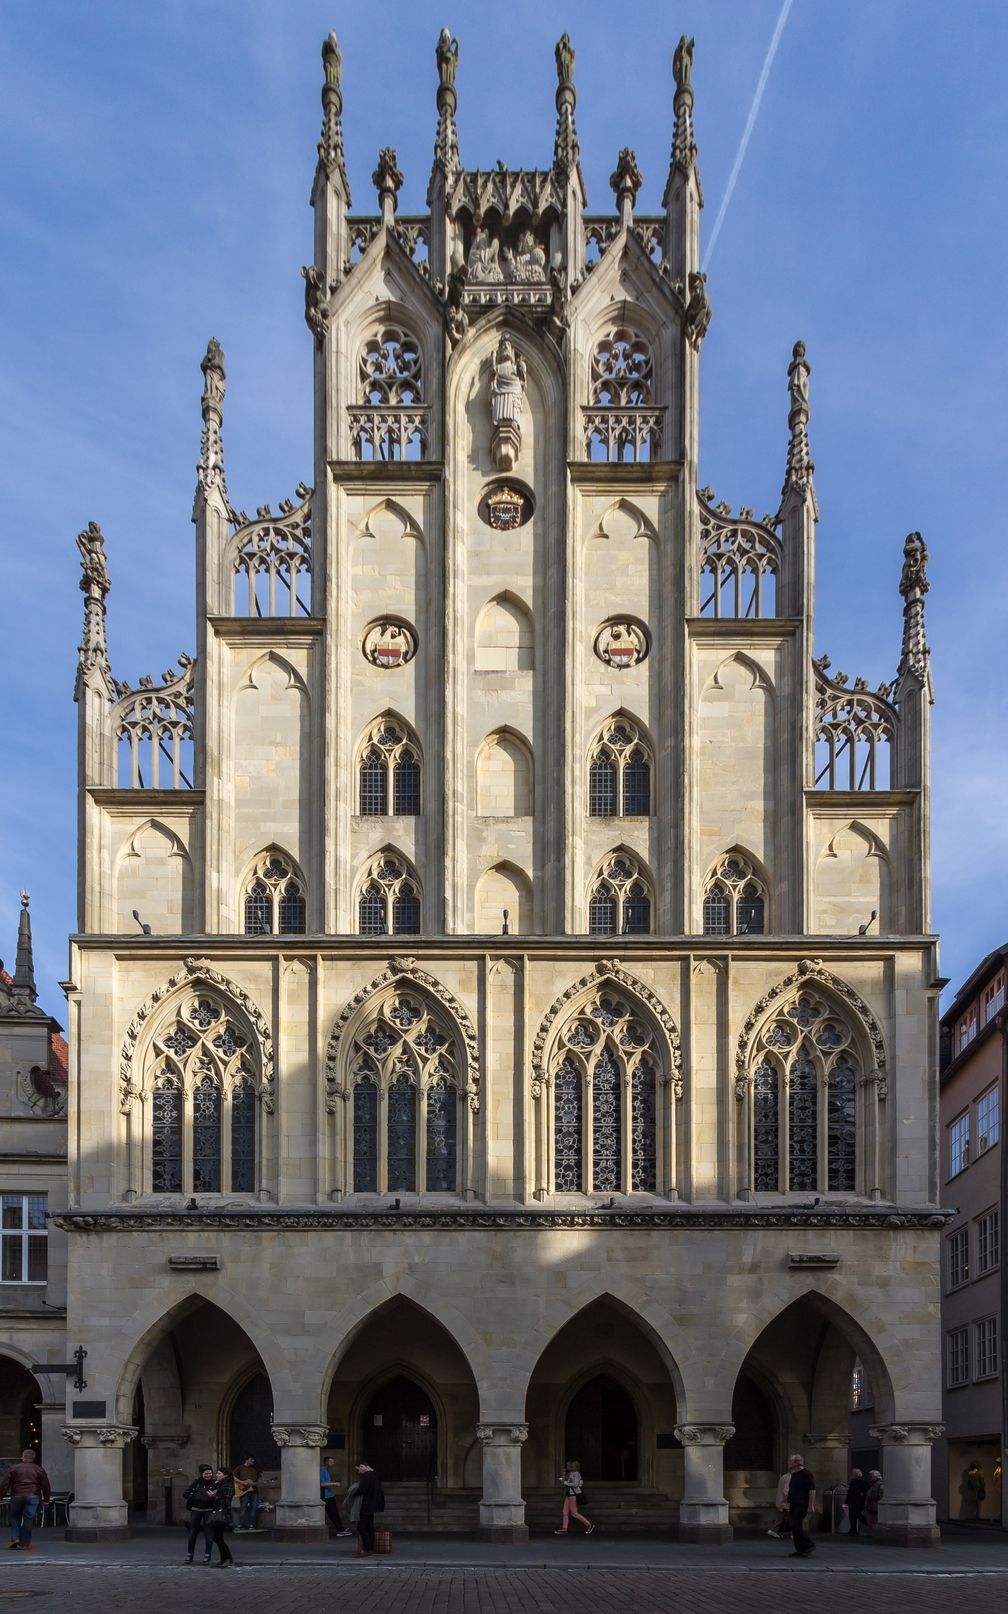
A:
x: 210, y: 471
x: 915, y: 654
x: 93, y: 649
x: 330, y: 147
x: 387, y: 179
x: 566, y: 151
x: 684, y: 152
x: 24, y: 969
x: 446, y: 146
x: 798, y: 475
x: 626, y: 181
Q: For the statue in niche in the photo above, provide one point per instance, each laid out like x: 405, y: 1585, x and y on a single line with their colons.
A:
x: 483, y: 265
x: 507, y: 396
x: 528, y: 263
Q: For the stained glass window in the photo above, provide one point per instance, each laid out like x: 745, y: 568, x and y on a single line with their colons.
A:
x: 406, y: 911
x: 167, y: 1138
x: 243, y: 1139
x: 803, y: 1152
x: 750, y: 911
x: 841, y: 1137
x: 602, y: 912
x: 644, y: 1129
x: 402, y: 1114
x: 607, y: 1128
x: 636, y: 911
x: 258, y: 910
x: 373, y: 786
x: 292, y: 910
x: 406, y: 785
x: 766, y: 1129
x: 716, y: 912
x: 568, y: 1111
x: 602, y: 787
x: 365, y: 1137
x: 206, y: 1137
x: 373, y: 911
x: 442, y: 1120
x: 637, y: 785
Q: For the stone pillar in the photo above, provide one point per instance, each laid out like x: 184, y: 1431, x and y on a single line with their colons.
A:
x: 703, y: 1511
x: 828, y: 1456
x: 502, y: 1506
x: 166, y: 1471
x: 98, y: 1510
x: 57, y: 1456
x: 906, y: 1514
x: 299, y: 1512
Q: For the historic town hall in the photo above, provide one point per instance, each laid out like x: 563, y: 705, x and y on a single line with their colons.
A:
x: 502, y: 1018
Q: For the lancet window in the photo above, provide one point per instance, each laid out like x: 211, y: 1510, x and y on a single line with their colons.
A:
x: 605, y: 1082
x: 406, y: 1093
x: 203, y: 1073
x: 389, y: 772
x: 807, y: 1078
x: 275, y: 898
x: 739, y: 568
x: 272, y: 561
x: 735, y: 901
x: 619, y: 772
x: 855, y: 729
x: 391, y: 422
x: 389, y: 901
x: 621, y: 421
x: 619, y: 899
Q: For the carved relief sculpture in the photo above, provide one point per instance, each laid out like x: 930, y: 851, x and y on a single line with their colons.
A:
x: 507, y: 397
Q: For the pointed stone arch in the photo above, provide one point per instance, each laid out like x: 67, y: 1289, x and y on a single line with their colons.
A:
x: 503, y: 885
x: 505, y: 778
x: 389, y: 520
x: 624, y: 522
x: 566, y: 1004
x: 758, y: 677
x: 505, y: 634
x: 295, y: 679
x: 164, y: 872
x: 812, y: 971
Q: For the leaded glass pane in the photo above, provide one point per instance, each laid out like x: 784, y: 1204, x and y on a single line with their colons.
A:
x: 373, y: 911
x: 607, y: 1127
x: 637, y: 785
x: 406, y: 785
x: 402, y: 1108
x: 643, y: 1129
x: 841, y: 1127
x: 258, y: 911
x: 766, y: 1129
x: 602, y: 788
x: 716, y: 912
x: 292, y: 910
x: 567, y: 1128
x: 803, y: 1153
x: 166, y: 1150
x: 750, y: 912
x: 374, y: 786
x: 207, y: 1137
x: 602, y: 912
x: 243, y: 1139
x: 406, y: 911
x: 365, y: 1138
x: 636, y: 911
x: 442, y: 1121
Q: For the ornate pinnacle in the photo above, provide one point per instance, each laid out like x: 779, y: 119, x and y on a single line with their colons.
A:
x: 683, y: 143
x: 566, y: 151
x: 626, y: 181
x: 913, y: 587
x: 24, y: 969
x: 446, y: 147
x: 93, y: 649
x: 799, y: 461
x: 388, y: 179
x: 210, y: 471
x: 330, y: 148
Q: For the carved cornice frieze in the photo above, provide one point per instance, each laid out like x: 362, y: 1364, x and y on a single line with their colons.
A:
x: 682, y: 1218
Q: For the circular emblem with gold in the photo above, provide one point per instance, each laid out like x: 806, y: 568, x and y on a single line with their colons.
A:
x: 505, y: 506
x: 621, y: 643
x: 389, y: 644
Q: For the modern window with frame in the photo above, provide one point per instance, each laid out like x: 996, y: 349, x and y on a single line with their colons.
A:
x: 957, y: 1258
x: 25, y: 1237
x: 958, y: 1136
x: 957, y: 1358
x: 988, y: 1241
x: 985, y: 1348
x: 988, y: 1118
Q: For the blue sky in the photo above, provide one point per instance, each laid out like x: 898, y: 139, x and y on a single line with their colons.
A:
x: 156, y: 164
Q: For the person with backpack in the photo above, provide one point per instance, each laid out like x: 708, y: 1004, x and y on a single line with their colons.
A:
x: 372, y: 1501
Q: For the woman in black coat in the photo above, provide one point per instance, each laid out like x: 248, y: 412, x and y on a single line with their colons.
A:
x: 200, y: 1500
x: 220, y: 1518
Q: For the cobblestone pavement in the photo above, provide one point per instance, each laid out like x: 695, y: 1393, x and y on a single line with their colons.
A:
x: 383, y: 1587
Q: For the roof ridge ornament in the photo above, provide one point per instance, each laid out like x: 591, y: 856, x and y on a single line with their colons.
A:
x: 95, y: 583
x: 798, y: 475
x: 915, y: 655
x: 566, y: 150
x: 626, y: 181
x: 23, y: 982
x: 388, y: 181
x: 210, y: 471
x: 446, y: 146
x: 330, y: 146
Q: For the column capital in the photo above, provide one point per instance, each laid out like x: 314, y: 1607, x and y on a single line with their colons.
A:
x: 107, y: 1435
x: 906, y: 1434
x: 704, y: 1434
x: 813, y: 1439
x: 502, y: 1433
x: 300, y: 1434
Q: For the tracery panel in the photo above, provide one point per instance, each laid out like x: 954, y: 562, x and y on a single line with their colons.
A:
x: 205, y: 1089
x: 604, y: 1071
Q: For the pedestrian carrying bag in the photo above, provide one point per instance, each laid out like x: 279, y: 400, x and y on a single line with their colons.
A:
x: 383, y: 1541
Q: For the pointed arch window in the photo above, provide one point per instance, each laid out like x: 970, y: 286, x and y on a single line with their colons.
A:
x: 604, y: 1075
x: 275, y: 902
x: 619, y: 899
x: 735, y: 899
x: 808, y: 1110
x: 407, y: 1089
x: 390, y: 755
x: 204, y: 1069
x: 391, y: 421
x: 619, y: 772
x: 390, y: 899
x: 621, y: 422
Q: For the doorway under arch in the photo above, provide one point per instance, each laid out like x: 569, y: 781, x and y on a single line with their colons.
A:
x: 602, y: 1430
x: 20, y: 1394
x: 399, y: 1431
x: 250, y: 1424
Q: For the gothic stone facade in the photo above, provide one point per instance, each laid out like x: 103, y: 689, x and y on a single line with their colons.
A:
x: 534, y: 1039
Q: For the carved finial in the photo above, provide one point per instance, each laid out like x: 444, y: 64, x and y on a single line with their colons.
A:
x: 799, y: 460
x: 626, y: 181
x: 446, y: 147
x: 913, y: 586
x: 24, y: 969
x: 210, y: 471
x: 93, y: 649
x: 682, y: 65
x: 684, y: 150
x: 387, y: 179
x: 566, y: 151
x: 330, y: 148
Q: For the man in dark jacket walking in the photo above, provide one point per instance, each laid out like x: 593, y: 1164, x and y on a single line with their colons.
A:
x: 801, y: 1504
x: 27, y: 1484
x: 372, y: 1501
x: 857, y: 1495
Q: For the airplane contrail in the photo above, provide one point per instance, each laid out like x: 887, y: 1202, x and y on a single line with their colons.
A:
x: 747, y: 131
